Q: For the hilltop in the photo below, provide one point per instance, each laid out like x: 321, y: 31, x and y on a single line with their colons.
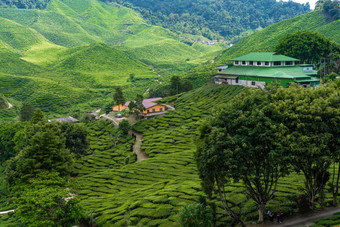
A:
x: 266, y: 39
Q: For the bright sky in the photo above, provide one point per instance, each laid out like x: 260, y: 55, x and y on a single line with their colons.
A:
x: 311, y: 2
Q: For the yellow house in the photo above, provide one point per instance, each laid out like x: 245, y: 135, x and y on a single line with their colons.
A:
x: 120, y: 107
x: 150, y: 106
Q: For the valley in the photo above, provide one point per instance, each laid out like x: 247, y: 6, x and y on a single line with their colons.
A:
x: 213, y: 160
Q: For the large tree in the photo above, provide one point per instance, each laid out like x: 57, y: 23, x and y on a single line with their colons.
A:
x: 307, y: 46
x: 42, y: 150
x: 312, y: 118
x: 244, y: 142
x: 118, y: 97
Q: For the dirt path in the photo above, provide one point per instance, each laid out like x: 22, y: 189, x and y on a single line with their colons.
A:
x: 6, y: 212
x: 110, y: 119
x: 302, y: 220
x: 137, y: 147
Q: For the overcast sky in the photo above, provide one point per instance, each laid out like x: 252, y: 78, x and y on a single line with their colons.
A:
x: 311, y: 2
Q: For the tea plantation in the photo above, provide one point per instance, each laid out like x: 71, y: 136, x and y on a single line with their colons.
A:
x: 153, y: 191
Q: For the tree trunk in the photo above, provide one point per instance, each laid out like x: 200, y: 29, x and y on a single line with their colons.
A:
x: 262, y: 210
x: 335, y: 194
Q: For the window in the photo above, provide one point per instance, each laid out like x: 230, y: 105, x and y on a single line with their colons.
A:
x: 259, y: 63
x: 253, y: 83
x: 251, y: 63
x: 266, y: 63
x: 153, y: 110
x: 277, y: 63
x: 161, y: 110
x: 148, y: 111
x: 236, y: 62
x: 243, y: 62
x: 289, y: 63
x: 237, y: 80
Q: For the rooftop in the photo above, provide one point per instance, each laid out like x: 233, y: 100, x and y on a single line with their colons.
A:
x: 147, y: 103
x: 264, y: 56
x: 270, y: 72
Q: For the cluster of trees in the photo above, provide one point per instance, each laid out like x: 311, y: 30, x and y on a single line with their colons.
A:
x: 39, y: 158
x: 264, y: 135
x: 176, y: 86
x: 214, y: 18
x: 308, y: 47
x: 330, y: 7
x: 25, y: 4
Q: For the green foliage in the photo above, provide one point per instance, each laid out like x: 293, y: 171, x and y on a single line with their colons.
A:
x: 3, y: 103
x: 267, y: 38
x: 7, y: 143
x: 136, y: 107
x: 26, y: 112
x: 194, y: 215
x: 124, y: 127
x: 108, y: 107
x: 244, y: 141
x: 176, y: 86
x: 38, y: 116
x: 312, y: 134
x: 76, y: 138
x: 25, y: 4
x: 42, y: 149
x: 214, y: 19
x: 308, y: 47
x: 118, y: 96
x: 332, y: 8
x: 45, y: 201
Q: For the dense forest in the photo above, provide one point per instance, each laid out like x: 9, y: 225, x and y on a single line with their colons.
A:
x: 215, y: 18
x: 25, y: 4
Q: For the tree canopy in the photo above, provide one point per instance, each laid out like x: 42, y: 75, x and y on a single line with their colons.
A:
x: 214, y: 18
x: 307, y: 46
x: 244, y: 141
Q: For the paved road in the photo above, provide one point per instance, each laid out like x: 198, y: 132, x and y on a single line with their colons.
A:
x: 303, y: 220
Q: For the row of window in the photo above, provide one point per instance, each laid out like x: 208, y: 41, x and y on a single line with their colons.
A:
x: 259, y: 63
x: 154, y: 110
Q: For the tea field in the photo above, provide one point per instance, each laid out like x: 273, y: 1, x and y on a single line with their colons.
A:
x: 153, y: 191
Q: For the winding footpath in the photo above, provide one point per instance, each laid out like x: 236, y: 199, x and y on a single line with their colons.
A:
x: 137, y: 147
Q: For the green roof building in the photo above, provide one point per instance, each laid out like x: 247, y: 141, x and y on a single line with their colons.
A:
x: 255, y: 70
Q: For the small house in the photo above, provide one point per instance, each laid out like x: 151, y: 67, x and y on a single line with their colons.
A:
x: 257, y: 69
x: 150, y: 106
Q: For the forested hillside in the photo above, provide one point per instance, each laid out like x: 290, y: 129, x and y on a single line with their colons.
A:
x: 266, y: 39
x: 215, y: 18
x: 230, y: 19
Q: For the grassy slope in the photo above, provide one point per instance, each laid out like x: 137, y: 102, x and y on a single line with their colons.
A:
x: 151, y: 192
x: 79, y: 22
x: 72, y: 76
x: 266, y: 39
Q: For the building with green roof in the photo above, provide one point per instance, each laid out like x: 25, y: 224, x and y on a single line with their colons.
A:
x: 257, y: 69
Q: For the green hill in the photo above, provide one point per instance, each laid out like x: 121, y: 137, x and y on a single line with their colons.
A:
x: 73, y: 77
x: 266, y: 39
x: 80, y: 22
x: 17, y: 36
